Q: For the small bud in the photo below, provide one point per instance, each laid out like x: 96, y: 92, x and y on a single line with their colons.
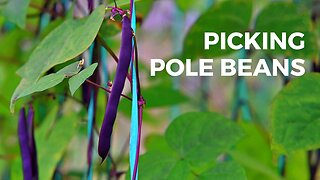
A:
x: 81, y: 63
x: 109, y: 83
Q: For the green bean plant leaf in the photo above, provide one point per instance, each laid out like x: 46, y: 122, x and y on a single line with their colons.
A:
x: 76, y: 81
x: 254, y: 154
x: 225, y: 170
x: 291, y: 131
x: 158, y: 96
x: 192, y: 143
x: 71, y: 69
x: 64, y: 43
x: 52, y: 145
x: 157, y: 142
x: 44, y: 83
x: 161, y: 96
x: 189, y: 135
x: 163, y: 166
x: 291, y: 16
x: 27, y: 87
x: 297, y: 162
x: 215, y: 19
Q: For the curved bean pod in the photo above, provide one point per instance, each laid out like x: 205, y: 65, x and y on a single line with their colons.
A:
x: 117, y: 87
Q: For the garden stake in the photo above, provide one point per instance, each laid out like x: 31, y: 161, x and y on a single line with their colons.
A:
x: 241, y: 96
x: 135, y: 128
x: 91, y: 114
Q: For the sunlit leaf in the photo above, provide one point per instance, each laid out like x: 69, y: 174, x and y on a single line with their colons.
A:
x: 44, y: 83
x: 296, y: 115
x: 27, y: 87
x: 64, y: 43
x: 297, y: 162
x: 292, y: 20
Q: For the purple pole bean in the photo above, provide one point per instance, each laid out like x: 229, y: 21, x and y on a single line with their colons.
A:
x: 32, y: 143
x: 117, y: 87
x: 27, y: 144
x: 24, y: 145
x: 90, y: 5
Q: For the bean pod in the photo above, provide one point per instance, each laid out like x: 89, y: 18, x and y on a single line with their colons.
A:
x: 117, y: 87
x: 27, y: 144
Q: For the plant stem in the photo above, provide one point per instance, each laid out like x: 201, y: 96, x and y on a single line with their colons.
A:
x: 115, y: 3
x: 105, y: 89
x: 105, y: 45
